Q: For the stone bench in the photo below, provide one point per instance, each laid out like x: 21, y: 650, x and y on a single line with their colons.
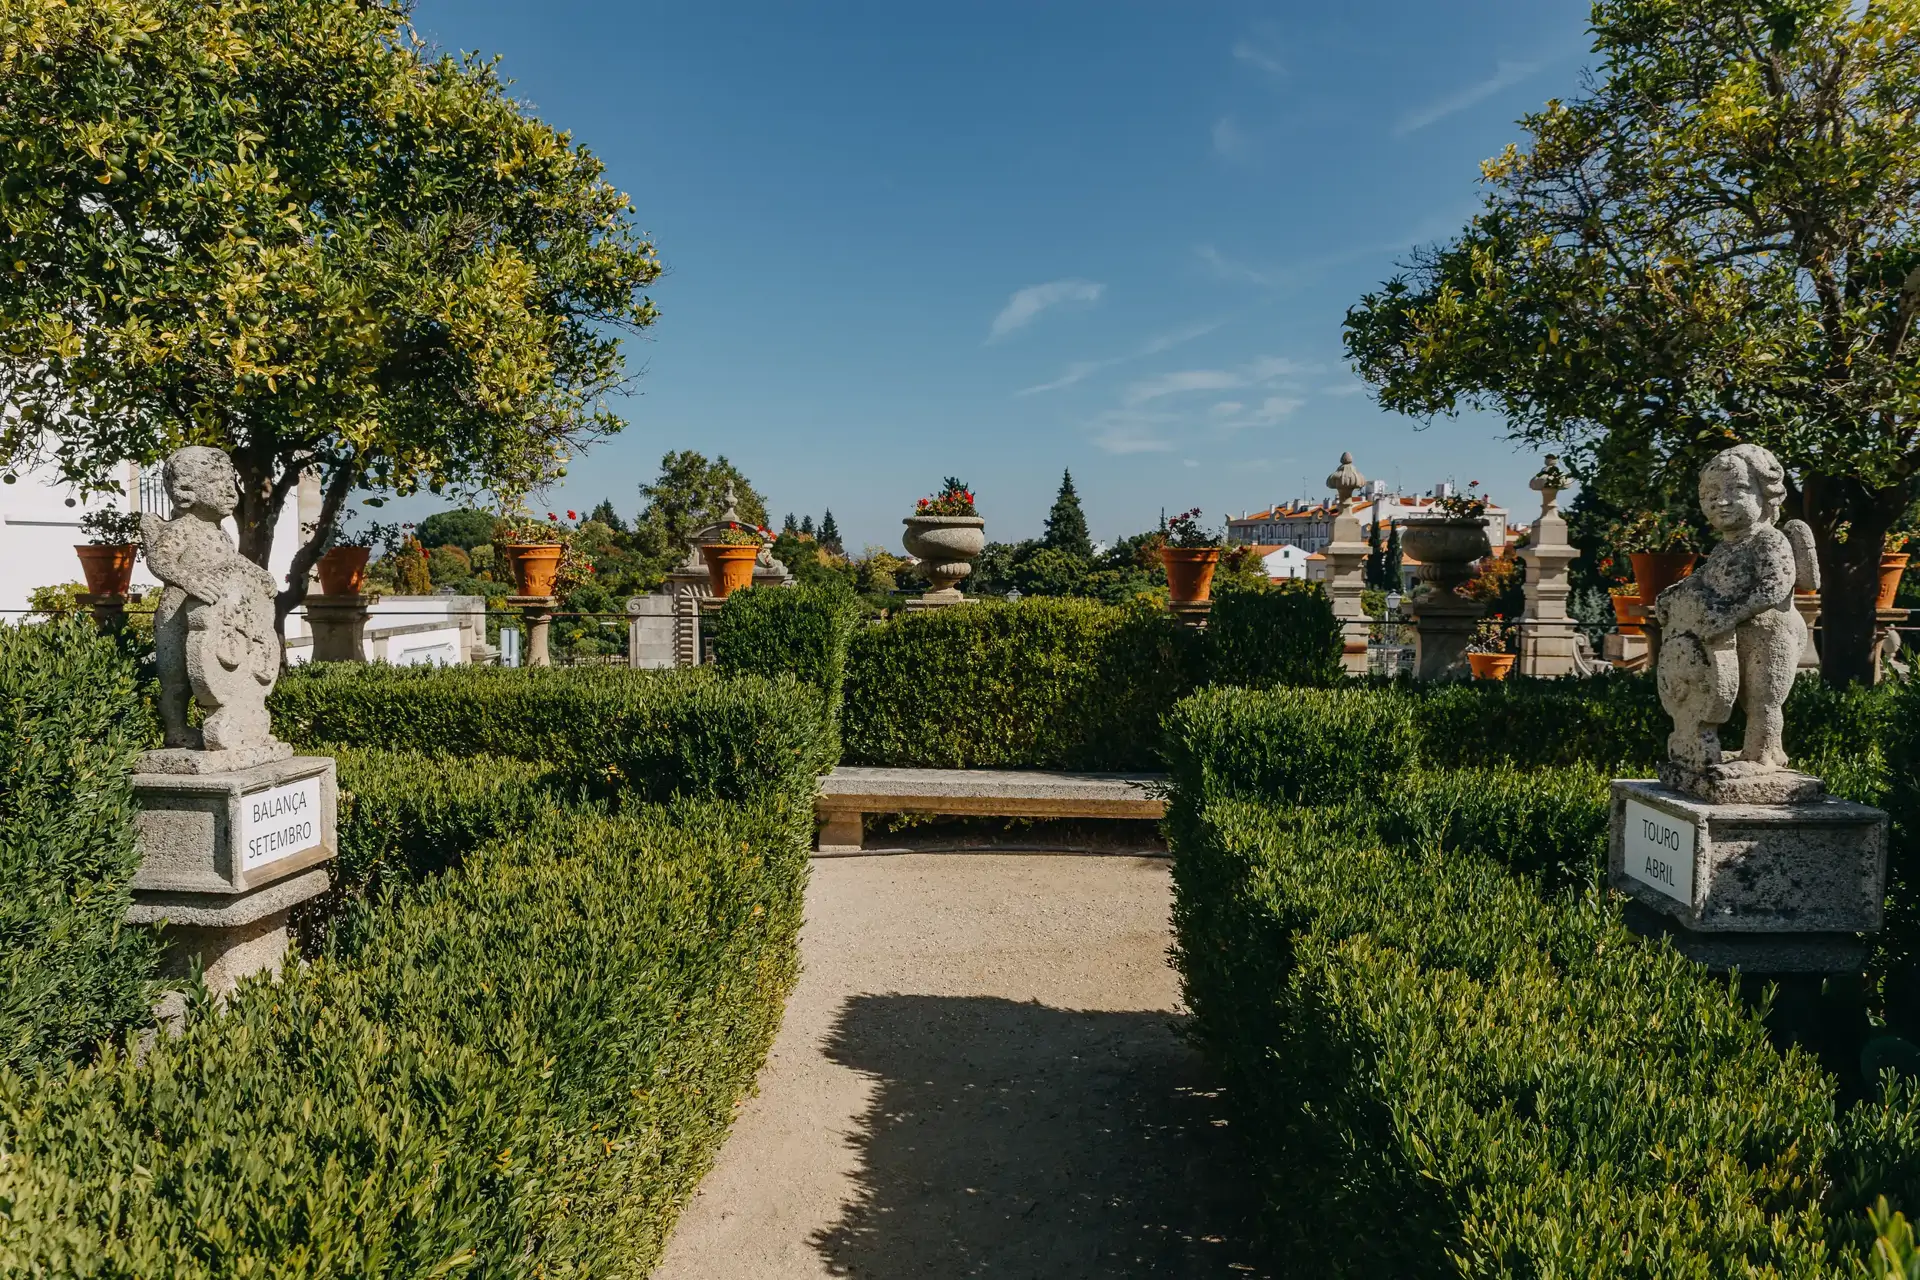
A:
x: 848, y: 794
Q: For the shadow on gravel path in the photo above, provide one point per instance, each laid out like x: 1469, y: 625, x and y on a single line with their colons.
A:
x: 1011, y: 1139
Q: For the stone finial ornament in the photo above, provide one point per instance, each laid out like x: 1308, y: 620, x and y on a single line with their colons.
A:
x: 1346, y: 480
x: 1729, y: 634
x: 1549, y: 482
x: 213, y: 630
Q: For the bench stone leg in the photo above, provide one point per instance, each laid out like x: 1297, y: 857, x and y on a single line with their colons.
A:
x: 842, y: 832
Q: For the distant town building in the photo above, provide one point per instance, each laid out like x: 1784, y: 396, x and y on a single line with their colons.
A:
x: 1308, y: 524
x: 1286, y: 561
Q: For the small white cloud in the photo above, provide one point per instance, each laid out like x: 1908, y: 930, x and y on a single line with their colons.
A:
x: 1189, y: 462
x: 1505, y: 75
x: 1078, y: 371
x: 1227, y: 408
x: 1028, y: 303
x: 1252, y: 54
x: 1341, y: 390
x: 1230, y: 141
x: 1081, y: 370
x: 1186, y: 381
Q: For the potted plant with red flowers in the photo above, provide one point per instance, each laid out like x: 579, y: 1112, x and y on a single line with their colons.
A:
x: 342, y: 567
x: 1491, y: 651
x: 106, y: 558
x: 1662, y: 548
x: 731, y: 553
x: 533, y: 550
x: 946, y: 535
x: 1190, y: 554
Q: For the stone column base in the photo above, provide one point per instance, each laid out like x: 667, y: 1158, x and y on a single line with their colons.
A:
x: 1191, y: 613
x: 538, y: 611
x: 942, y: 599
x: 339, y: 627
x: 1443, y: 625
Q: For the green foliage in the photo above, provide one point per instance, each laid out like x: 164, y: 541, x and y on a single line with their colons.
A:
x: 1066, y: 529
x: 1300, y: 746
x: 1608, y: 723
x: 1547, y: 823
x: 1034, y: 684
x: 418, y: 284
x: 71, y: 721
x: 520, y: 1068
x: 462, y: 527
x: 1283, y: 635
x: 829, y: 538
x: 641, y: 735
x: 802, y: 632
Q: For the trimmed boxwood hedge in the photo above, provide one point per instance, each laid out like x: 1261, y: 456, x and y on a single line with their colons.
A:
x: 638, y: 735
x: 801, y: 632
x: 1402, y: 1020
x: 1283, y: 635
x: 71, y: 721
x: 519, y: 1068
x: 1037, y: 684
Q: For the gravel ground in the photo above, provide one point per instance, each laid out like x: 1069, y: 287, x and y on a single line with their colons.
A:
x: 981, y: 1073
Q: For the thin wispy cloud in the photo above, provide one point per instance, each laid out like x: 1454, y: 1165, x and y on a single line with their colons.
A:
x: 1123, y: 432
x: 1253, y: 55
x: 1081, y: 370
x: 1027, y: 304
x: 1505, y: 75
x: 1230, y: 141
x: 1256, y: 373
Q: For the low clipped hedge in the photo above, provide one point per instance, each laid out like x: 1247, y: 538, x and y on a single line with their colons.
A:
x: 1036, y: 684
x: 638, y: 735
x: 801, y: 632
x: 1285, y: 635
x: 1404, y: 1021
x: 519, y: 1068
x: 1300, y: 746
x: 71, y: 723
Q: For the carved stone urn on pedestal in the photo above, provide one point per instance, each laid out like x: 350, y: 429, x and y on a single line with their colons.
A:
x: 946, y: 547
x: 1444, y: 619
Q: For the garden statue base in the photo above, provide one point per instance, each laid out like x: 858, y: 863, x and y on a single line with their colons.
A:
x: 225, y: 854
x: 1741, y: 782
x: 936, y: 600
x: 538, y: 613
x: 1762, y: 887
x: 339, y: 627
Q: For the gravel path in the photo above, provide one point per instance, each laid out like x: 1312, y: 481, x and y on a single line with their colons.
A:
x: 980, y: 1074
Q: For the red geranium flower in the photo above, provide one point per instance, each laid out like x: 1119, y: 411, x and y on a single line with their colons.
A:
x: 572, y: 516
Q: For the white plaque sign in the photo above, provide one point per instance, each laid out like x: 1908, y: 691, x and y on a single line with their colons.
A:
x: 278, y: 823
x: 1658, y: 849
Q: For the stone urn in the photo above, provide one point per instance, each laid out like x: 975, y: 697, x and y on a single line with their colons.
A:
x: 729, y: 565
x: 108, y: 569
x: 343, y: 570
x: 946, y: 547
x: 534, y: 565
x: 1892, y: 565
x: 1189, y: 572
x: 1655, y: 571
x: 1446, y: 550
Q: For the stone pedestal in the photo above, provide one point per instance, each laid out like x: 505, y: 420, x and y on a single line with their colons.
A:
x: 538, y: 613
x: 109, y: 609
x: 1191, y: 613
x: 339, y: 627
x: 1765, y: 888
x: 1628, y: 652
x: 1346, y: 569
x: 1807, y: 605
x: 1444, y: 624
x: 225, y: 854
x: 1546, y: 632
x: 942, y: 599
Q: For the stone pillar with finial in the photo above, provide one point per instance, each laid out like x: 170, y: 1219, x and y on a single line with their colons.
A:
x: 1346, y: 567
x: 1546, y: 631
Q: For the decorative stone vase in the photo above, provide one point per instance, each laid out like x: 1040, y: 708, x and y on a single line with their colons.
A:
x: 1189, y: 572
x: 534, y: 566
x: 729, y: 565
x: 1490, y: 666
x: 343, y: 570
x: 1892, y: 565
x: 946, y: 547
x: 108, y: 569
x: 1655, y: 571
x: 1623, y: 607
x: 1446, y: 550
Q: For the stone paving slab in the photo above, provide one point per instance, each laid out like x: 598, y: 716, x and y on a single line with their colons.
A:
x: 981, y: 1073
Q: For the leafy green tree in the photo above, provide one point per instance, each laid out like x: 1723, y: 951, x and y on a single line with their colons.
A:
x: 689, y: 492
x: 606, y: 515
x: 829, y: 535
x: 789, y: 526
x: 1717, y: 243
x: 1067, y: 524
x: 287, y: 228
x: 465, y: 529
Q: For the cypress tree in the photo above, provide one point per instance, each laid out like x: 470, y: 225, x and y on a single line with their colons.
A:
x: 1067, y: 523
x: 830, y: 534
x: 1395, y: 559
x: 806, y: 526
x: 789, y: 525
x: 1376, y: 574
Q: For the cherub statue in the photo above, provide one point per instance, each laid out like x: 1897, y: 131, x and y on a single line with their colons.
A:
x: 1729, y: 632
x: 213, y: 631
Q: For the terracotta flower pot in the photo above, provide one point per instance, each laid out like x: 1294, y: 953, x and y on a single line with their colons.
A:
x: 729, y: 565
x: 109, y: 570
x: 1189, y: 572
x: 1490, y: 666
x: 343, y: 570
x: 1623, y: 607
x: 1655, y: 571
x: 534, y: 566
x: 946, y: 547
x: 1892, y: 565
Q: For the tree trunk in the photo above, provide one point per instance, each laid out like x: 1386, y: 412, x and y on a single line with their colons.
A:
x: 1850, y: 523
x: 263, y: 496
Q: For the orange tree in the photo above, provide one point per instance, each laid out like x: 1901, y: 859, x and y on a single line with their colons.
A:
x: 284, y: 228
x: 1717, y: 242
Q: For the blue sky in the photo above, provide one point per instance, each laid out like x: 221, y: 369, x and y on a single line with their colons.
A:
x: 999, y: 239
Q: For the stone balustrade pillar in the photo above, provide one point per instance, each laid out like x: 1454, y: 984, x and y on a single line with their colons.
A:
x: 1546, y: 631
x: 1346, y: 569
x: 538, y: 613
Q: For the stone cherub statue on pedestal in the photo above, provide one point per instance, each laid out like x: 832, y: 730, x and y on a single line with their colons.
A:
x: 213, y: 631
x: 1729, y: 634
